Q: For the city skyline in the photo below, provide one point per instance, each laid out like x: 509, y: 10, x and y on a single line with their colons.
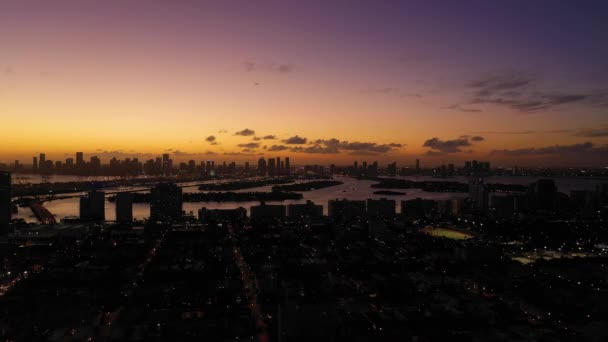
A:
x: 332, y: 83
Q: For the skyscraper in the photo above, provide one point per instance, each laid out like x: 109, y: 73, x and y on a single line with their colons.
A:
x: 5, y: 202
x: 79, y: 159
x: 35, y: 164
x: 166, y: 202
x: 478, y: 194
x: 124, y: 207
x: 287, y: 166
x: 271, y: 167
x: 262, y: 167
x: 92, y: 206
x: 42, y: 162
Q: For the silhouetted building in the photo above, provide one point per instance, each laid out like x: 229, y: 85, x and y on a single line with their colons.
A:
x: 478, y: 194
x: 287, y: 166
x: 124, y: 207
x: 309, y: 210
x: 35, y: 164
x: 346, y: 210
x: 417, y: 208
x: 92, y: 206
x: 5, y: 202
x: 261, y: 167
x: 504, y: 206
x: 392, y: 169
x: 267, y: 212
x: 271, y: 167
x: 42, y: 162
x: 222, y: 215
x: 79, y: 159
x: 380, y: 208
x: 543, y: 195
x: 166, y: 202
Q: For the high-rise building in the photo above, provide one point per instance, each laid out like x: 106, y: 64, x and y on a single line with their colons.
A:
x: 92, y: 206
x: 543, y: 195
x: 5, y: 202
x: 124, y: 207
x: 391, y: 169
x: 287, y: 166
x: 478, y: 194
x: 346, y: 210
x: 309, y: 210
x: 417, y: 165
x: 262, y: 167
x: 35, y: 164
x: 166, y: 163
x: 79, y: 159
x: 271, y: 167
x: 95, y: 163
x: 264, y: 212
x: 221, y: 215
x: 42, y: 162
x: 380, y: 208
x: 166, y: 202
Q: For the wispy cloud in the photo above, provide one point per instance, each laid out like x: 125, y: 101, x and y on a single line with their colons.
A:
x: 586, y: 148
x: 277, y: 68
x: 525, y: 93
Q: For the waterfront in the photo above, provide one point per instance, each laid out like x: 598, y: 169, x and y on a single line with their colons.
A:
x: 351, y: 188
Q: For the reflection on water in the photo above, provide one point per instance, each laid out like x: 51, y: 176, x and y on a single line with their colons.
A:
x: 351, y: 189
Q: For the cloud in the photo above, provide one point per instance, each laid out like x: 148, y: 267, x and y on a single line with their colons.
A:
x: 505, y: 132
x: 593, y: 132
x: 446, y: 146
x: 390, y: 91
x: 238, y: 154
x: 295, y: 140
x: 498, y: 83
x: 586, y: 148
x: 276, y: 68
x: 222, y: 131
x: 210, y: 153
x: 332, y: 146
x: 210, y: 139
x: 463, y: 109
x: 179, y: 153
x: 269, y: 137
x: 246, y: 132
x: 249, y: 145
x: 524, y: 93
x: 442, y: 147
x: 257, y: 138
x: 276, y: 148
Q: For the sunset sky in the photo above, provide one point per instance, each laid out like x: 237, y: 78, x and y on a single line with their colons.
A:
x: 517, y: 83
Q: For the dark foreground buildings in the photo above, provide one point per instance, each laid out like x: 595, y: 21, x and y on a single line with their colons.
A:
x: 5, y: 202
x: 166, y: 203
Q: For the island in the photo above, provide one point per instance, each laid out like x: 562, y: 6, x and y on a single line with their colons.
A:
x: 245, y: 184
x: 308, y: 186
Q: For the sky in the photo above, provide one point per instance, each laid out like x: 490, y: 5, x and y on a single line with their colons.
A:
x: 514, y: 82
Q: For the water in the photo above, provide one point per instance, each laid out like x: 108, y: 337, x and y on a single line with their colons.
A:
x: 351, y: 189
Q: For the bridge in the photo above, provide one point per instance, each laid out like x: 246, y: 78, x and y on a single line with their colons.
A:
x: 42, y: 214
